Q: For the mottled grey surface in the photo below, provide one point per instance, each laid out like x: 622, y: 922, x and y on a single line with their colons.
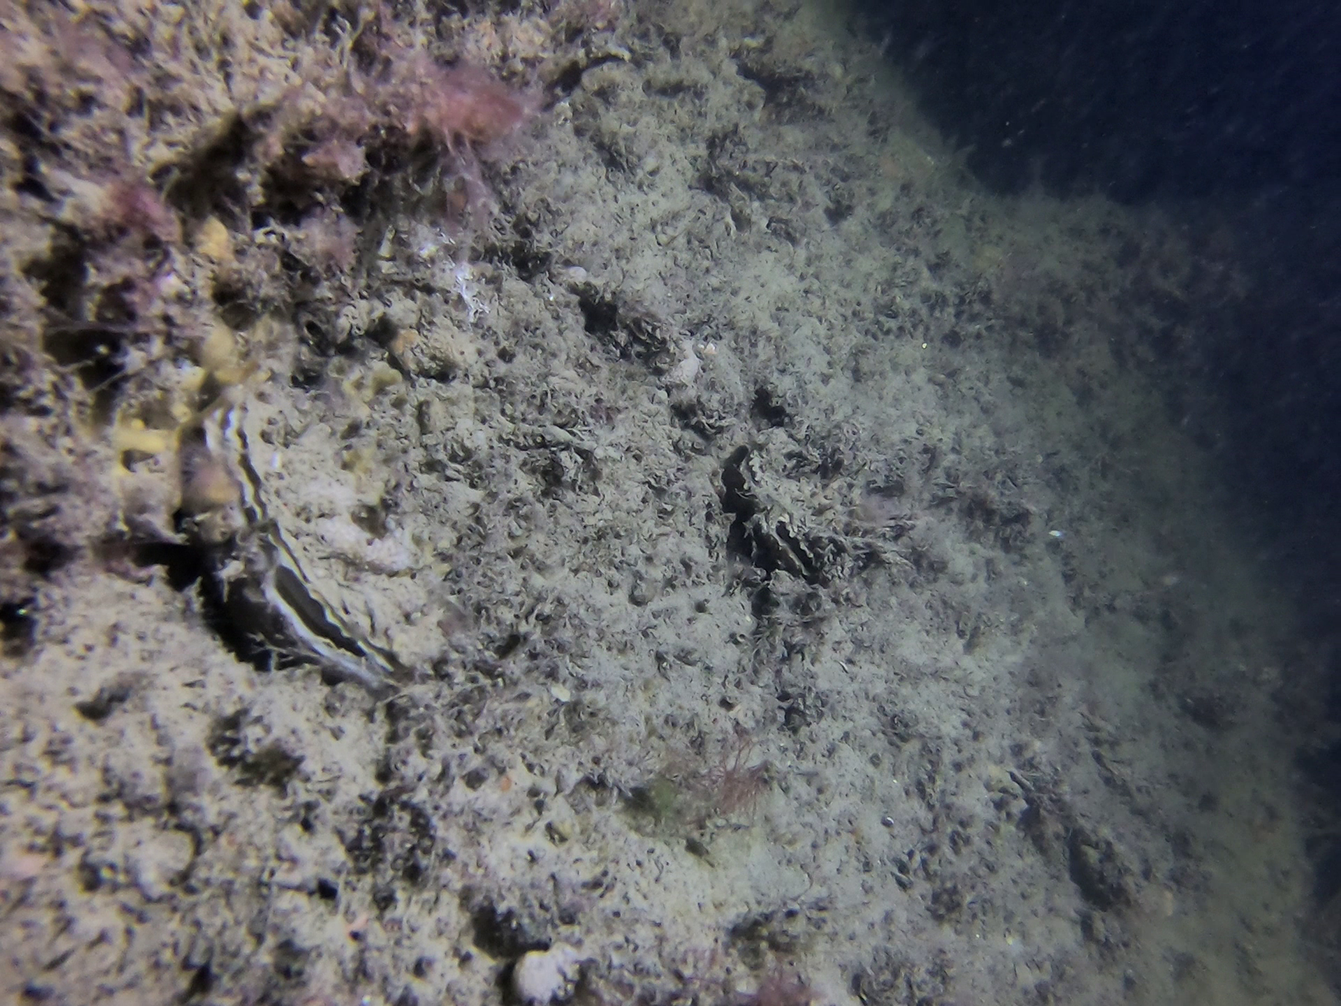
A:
x: 802, y: 579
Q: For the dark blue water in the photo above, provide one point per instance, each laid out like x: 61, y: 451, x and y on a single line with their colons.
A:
x: 1134, y: 98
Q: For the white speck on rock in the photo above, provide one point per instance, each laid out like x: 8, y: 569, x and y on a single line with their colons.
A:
x: 683, y: 374
x: 545, y: 976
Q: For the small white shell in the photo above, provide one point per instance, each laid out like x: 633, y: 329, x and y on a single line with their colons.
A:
x: 543, y: 976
